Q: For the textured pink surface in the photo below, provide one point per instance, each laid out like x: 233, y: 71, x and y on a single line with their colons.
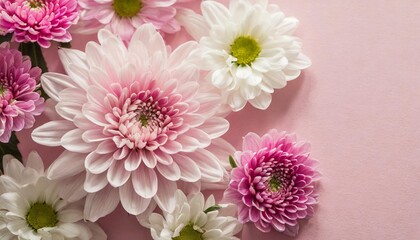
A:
x: 359, y: 107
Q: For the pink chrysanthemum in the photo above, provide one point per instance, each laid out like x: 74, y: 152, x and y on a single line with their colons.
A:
x: 19, y: 103
x: 135, y: 119
x: 123, y: 17
x: 273, y: 184
x: 39, y: 21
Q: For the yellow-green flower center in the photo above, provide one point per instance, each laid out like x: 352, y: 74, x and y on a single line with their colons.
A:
x: 144, y: 120
x: 189, y: 233
x: 36, y: 3
x: 275, y: 184
x: 41, y: 215
x: 245, y: 49
x: 127, y: 8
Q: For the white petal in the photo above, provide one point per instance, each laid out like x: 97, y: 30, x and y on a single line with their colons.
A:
x: 193, y: 23
x: 68, y: 230
x: 35, y: 162
x: 101, y: 203
x: 14, y: 203
x: 300, y: 62
x: 262, y: 101
x: 215, y: 13
x: 70, y: 215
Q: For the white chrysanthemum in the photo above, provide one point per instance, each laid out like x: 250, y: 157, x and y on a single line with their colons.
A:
x: 248, y: 49
x: 31, y: 208
x: 193, y: 218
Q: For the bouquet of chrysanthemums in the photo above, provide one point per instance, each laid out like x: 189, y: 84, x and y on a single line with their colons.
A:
x: 140, y: 114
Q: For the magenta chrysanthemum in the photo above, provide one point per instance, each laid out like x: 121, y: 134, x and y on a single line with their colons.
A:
x: 123, y: 17
x: 273, y: 184
x: 19, y: 103
x: 39, y: 21
x: 135, y: 119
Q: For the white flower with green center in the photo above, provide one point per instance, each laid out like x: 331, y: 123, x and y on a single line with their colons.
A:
x: 248, y: 49
x: 31, y: 207
x: 194, y: 218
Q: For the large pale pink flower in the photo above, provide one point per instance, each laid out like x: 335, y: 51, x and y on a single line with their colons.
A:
x: 123, y: 17
x: 274, y: 183
x: 135, y: 119
x: 19, y: 102
x: 39, y: 21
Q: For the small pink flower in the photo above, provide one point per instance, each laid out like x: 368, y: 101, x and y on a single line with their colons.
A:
x: 123, y: 17
x: 18, y: 101
x: 39, y: 21
x: 273, y: 184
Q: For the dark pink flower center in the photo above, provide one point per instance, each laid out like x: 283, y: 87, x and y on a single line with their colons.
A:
x: 142, y: 120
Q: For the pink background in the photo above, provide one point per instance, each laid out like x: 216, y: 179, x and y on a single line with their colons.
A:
x: 359, y: 106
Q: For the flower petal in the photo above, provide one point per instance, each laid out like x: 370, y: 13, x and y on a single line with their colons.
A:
x: 101, y: 203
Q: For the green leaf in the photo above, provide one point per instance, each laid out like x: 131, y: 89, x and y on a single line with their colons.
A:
x: 65, y: 45
x: 6, y: 38
x: 212, y: 208
x: 34, y: 51
x: 10, y: 148
x: 232, y: 162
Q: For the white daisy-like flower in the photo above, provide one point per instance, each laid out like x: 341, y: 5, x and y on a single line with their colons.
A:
x: 32, y: 209
x: 194, y: 218
x: 248, y: 49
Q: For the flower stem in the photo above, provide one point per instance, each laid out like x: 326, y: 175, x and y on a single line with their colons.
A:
x: 10, y: 148
x: 33, y: 50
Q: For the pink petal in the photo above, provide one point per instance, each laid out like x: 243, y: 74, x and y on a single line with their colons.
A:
x: 68, y: 164
x: 117, y: 175
x: 101, y: 203
x: 251, y: 142
x: 131, y: 202
x: 95, y: 182
x: 209, y: 165
x: 50, y: 133
x: 190, y: 172
x: 165, y: 196
x: 145, y: 182
x: 73, y: 141
x: 98, y: 163
x: 54, y: 83
x: 171, y: 172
